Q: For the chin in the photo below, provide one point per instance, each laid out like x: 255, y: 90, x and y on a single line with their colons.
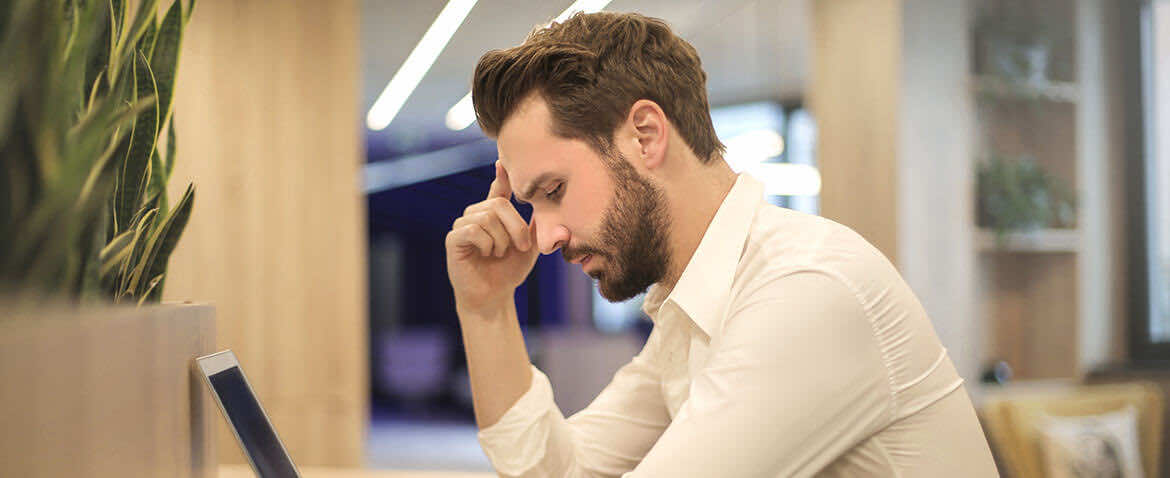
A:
x: 606, y: 289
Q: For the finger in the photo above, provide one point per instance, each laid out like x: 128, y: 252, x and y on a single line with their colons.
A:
x: 501, y: 187
x: 532, y: 232
x: 513, y: 223
x: 484, y: 205
x: 491, y: 223
x: 475, y: 235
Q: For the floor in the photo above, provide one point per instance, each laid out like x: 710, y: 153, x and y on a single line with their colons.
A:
x: 418, y: 445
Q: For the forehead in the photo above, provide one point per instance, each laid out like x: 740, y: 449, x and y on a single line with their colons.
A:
x: 528, y: 148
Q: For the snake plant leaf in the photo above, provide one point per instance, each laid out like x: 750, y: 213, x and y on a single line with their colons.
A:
x: 171, y: 145
x: 165, y: 60
x: 117, y: 32
x: 99, y: 59
x: 131, y: 36
x: 135, y: 263
x: 115, y: 253
x: 155, y: 285
x: 157, y: 183
x: 84, y: 204
x: 167, y: 237
x: 118, y: 16
x: 135, y: 172
x: 146, y: 207
x: 147, y: 42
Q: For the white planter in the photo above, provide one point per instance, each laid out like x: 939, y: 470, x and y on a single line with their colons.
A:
x: 107, y: 392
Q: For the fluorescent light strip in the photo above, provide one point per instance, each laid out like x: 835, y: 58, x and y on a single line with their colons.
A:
x: 462, y: 115
x: 417, y: 64
x: 786, y: 179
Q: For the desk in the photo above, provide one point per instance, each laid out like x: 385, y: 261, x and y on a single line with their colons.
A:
x: 244, y: 471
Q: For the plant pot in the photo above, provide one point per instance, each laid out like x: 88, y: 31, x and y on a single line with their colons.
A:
x: 106, y: 392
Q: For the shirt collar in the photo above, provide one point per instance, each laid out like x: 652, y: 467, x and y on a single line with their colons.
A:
x: 703, y: 288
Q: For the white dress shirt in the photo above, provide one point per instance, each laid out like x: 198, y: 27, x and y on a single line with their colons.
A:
x: 789, y: 347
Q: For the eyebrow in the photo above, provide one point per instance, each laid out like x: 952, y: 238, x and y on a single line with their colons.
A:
x: 526, y: 196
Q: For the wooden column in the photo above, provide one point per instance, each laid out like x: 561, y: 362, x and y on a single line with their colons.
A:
x: 269, y: 130
x: 853, y: 94
x: 889, y: 93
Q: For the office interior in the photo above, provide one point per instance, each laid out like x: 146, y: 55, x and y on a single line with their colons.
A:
x: 1011, y: 158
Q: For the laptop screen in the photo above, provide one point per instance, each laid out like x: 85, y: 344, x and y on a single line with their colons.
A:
x: 251, y: 424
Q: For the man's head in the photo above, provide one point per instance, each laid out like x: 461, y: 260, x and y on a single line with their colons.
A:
x: 590, y: 117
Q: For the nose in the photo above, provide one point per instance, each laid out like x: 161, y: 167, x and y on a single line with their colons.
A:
x: 550, y: 234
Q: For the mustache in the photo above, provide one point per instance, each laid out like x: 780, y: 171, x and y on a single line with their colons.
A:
x: 570, y: 254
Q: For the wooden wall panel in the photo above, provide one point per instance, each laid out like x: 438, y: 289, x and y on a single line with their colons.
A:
x: 853, y: 93
x: 269, y: 130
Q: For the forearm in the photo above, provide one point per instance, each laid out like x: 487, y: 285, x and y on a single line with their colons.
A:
x: 497, y: 361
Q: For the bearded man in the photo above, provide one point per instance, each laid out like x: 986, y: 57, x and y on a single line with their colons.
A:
x: 783, y: 345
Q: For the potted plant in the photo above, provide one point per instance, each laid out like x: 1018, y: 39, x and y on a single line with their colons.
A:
x: 94, y: 385
x: 1017, y: 194
x: 1013, y: 44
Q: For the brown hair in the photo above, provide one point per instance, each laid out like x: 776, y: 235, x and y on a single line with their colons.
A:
x: 590, y: 69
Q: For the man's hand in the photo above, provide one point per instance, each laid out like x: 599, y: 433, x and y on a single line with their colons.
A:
x: 490, y: 250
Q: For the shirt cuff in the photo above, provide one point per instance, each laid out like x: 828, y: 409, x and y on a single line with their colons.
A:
x: 517, y: 442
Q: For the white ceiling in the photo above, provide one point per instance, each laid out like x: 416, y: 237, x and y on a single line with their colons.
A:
x: 751, y: 49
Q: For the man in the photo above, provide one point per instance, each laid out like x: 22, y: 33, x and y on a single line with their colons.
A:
x: 783, y: 344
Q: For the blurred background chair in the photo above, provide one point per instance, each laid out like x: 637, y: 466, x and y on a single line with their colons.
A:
x: 1019, y: 420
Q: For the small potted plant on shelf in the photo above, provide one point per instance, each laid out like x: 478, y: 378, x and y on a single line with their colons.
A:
x: 1013, y: 45
x: 1016, y: 194
x: 87, y: 145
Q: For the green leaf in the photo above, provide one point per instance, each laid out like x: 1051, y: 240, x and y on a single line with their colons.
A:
x: 149, y: 294
x: 147, y: 42
x: 118, y: 12
x: 115, y: 253
x: 130, y: 36
x: 167, y: 237
x: 157, y: 180
x: 135, y: 171
x: 171, y: 145
x: 132, y: 268
x: 165, y: 60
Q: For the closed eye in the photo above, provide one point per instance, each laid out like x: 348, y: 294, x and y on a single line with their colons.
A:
x: 556, y: 192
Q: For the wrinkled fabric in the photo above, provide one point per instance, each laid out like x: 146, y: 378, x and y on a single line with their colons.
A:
x: 789, y: 347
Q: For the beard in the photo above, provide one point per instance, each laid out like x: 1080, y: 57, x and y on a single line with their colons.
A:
x: 632, y: 237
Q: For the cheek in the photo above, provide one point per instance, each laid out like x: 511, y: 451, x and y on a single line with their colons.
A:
x: 584, y: 213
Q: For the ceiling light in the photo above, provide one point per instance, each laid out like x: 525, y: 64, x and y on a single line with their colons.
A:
x: 785, y: 179
x: 416, y: 65
x: 461, y: 115
x: 746, y: 149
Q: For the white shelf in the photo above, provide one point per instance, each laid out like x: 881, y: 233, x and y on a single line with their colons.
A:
x: 1055, y: 91
x: 1042, y: 240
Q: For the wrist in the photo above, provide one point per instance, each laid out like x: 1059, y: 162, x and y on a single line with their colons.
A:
x: 490, y: 311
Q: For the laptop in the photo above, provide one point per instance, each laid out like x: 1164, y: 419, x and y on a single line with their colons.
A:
x: 267, y: 455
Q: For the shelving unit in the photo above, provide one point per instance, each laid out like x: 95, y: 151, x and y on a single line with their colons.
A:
x: 995, y: 87
x: 1043, y: 240
x: 1044, y: 294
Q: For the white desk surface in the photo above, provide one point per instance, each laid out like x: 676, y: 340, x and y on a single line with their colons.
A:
x: 244, y: 471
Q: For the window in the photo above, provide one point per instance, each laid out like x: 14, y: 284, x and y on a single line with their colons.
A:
x: 1148, y: 149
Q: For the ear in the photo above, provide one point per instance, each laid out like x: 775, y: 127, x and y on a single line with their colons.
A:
x: 651, y: 131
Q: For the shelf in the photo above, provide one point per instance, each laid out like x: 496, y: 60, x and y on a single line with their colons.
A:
x: 1042, y: 240
x: 1055, y: 91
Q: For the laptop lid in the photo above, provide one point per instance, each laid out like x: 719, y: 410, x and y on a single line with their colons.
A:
x: 254, y: 431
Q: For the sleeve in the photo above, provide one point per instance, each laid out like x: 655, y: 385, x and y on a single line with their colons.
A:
x: 797, y: 379
x: 607, y: 438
